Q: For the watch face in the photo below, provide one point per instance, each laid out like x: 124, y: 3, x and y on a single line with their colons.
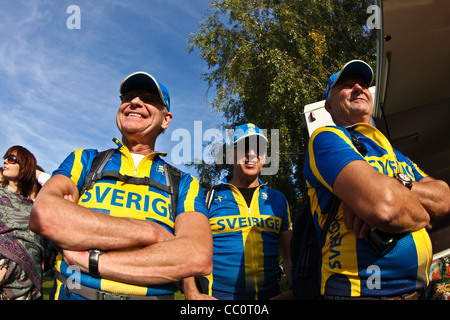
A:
x: 404, y: 177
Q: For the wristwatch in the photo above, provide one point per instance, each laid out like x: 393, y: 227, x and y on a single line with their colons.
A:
x: 405, y: 180
x: 93, y: 262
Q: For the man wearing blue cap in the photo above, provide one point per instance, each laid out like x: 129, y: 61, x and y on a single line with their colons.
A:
x: 377, y: 247
x: 123, y: 238
x: 250, y: 223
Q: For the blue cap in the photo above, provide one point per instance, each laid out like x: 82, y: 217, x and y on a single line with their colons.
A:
x: 144, y: 78
x: 247, y: 130
x: 353, y: 67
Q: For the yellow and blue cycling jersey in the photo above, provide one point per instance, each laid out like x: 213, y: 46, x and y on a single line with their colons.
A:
x: 350, y: 267
x: 245, y: 256
x: 120, y: 199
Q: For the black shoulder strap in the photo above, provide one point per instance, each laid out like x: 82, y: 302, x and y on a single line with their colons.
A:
x: 97, y: 166
x: 172, y: 174
x: 173, y: 178
x: 332, y: 209
x: 115, y: 175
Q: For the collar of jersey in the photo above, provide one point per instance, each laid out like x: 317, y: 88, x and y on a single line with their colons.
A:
x: 228, y: 178
x: 121, y: 145
x: 371, y: 131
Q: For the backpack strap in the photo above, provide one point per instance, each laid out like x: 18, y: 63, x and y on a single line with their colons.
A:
x: 115, y: 175
x: 306, y: 249
x: 332, y: 209
x: 173, y: 178
x: 97, y: 166
x: 172, y: 174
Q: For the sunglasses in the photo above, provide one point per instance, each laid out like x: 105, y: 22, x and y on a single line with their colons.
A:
x: 11, y: 159
x: 259, y: 146
x: 147, y: 98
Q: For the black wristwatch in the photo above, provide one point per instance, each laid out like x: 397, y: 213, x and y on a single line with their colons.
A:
x: 93, y: 262
x: 405, y: 180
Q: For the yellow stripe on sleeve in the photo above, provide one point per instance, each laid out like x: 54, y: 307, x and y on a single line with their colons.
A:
x: 189, y: 202
x: 77, y: 167
x: 312, y: 158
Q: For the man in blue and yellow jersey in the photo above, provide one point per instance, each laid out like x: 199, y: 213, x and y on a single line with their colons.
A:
x: 119, y: 240
x: 378, y: 245
x: 250, y: 222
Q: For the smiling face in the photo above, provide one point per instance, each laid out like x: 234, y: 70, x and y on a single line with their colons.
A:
x: 350, y: 101
x: 249, y: 159
x: 142, y: 117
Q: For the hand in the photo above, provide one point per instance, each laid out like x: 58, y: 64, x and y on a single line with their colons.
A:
x: 69, y: 197
x: 191, y: 291
x: 198, y: 296
x: 78, y: 258
x: 38, y: 173
x: 354, y: 223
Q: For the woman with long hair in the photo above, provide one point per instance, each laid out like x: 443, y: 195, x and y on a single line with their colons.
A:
x: 21, y: 250
x: 19, y: 171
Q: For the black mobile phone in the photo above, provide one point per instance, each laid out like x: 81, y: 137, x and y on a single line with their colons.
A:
x: 380, y: 241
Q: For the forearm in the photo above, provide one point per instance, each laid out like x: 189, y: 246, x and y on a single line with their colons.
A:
x: 166, y: 262
x: 398, y: 212
x: 74, y: 227
x: 383, y: 203
x: 151, y: 265
x: 285, y: 241
x: 188, y: 254
x: 191, y: 291
x: 288, y: 270
x: 434, y: 195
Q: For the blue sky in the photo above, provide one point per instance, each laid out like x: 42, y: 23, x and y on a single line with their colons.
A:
x: 59, y: 87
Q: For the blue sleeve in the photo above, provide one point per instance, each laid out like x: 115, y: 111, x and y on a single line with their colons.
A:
x: 191, y: 196
x: 77, y: 165
x: 284, y: 214
x: 329, y: 150
x: 278, y: 204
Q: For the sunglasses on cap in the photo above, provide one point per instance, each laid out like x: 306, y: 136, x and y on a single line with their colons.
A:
x: 11, y: 159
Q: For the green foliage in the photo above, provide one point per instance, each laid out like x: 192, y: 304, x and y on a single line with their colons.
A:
x: 268, y: 59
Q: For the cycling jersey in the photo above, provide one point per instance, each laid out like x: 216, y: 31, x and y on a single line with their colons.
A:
x: 119, y: 199
x: 245, y: 259
x: 350, y: 267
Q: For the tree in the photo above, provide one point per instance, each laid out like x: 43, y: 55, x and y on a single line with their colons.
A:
x: 268, y: 59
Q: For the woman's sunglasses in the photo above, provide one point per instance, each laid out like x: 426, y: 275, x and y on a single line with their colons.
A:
x: 11, y: 159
